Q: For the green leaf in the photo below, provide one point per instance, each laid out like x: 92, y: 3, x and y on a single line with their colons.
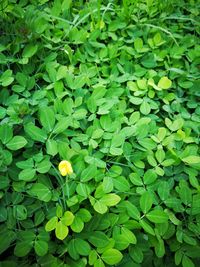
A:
x: 107, y: 184
x: 39, y: 217
x: 162, y: 133
x: 84, y: 214
x: 168, y: 162
x: 157, y: 216
x: 52, y: 147
x: 79, y: 82
x: 6, y: 133
x: 174, y: 203
x: 128, y: 235
x: 98, y: 239
x: 22, y: 249
x: 151, y: 161
x: 29, y: 50
x: 191, y: 160
x: 72, y: 250
x: 189, y: 240
x: 100, y: 207
x: 2, y: 113
x: 121, y: 184
x: 88, y: 173
x: 164, y: 83
x: 98, y: 92
x: 25, y: 164
x: 145, y: 108
x: 147, y: 143
x: 51, y: 71
x: 41, y: 191
x: 185, y: 193
x: 61, y: 230
x: 6, y: 238
x: 146, y: 202
x: 147, y: 228
x: 149, y: 177
x: 187, y: 262
x: 97, y: 134
x: 61, y: 73
x: 138, y: 44
x: 35, y: 133
x: 196, y: 204
x: 163, y: 190
x: 27, y: 174
x: 68, y: 218
x: 51, y: 224
x: 41, y: 247
x: 159, y: 171
x: 115, y: 151
x: 6, y: 78
x: 83, y: 190
x: 27, y: 235
x: 121, y: 242
x: 172, y: 217
x: 136, y: 254
x: 82, y: 247
x: 92, y: 257
x: 160, y: 155
x: 176, y: 125
x: 20, y: 212
x: 59, y: 211
x: 110, y: 200
x: 3, y: 214
x: 47, y: 118
x: 117, y: 140
x: 149, y: 60
x: 112, y: 256
x: 132, y: 210
x: 16, y: 143
x: 43, y: 166
x: 136, y: 179
x: 178, y: 257
x: 77, y: 225
x: 97, y: 162
x: 99, y: 263
x: 105, y: 122
x: 160, y: 248
x: 61, y: 125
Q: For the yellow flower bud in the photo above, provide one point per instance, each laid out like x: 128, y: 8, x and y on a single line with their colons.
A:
x: 65, y: 168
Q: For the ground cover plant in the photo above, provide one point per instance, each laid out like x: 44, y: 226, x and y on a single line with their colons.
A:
x: 111, y: 87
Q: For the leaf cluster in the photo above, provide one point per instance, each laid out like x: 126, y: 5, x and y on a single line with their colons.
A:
x: 112, y: 87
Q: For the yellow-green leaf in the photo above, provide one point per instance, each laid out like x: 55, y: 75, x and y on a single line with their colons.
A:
x: 191, y: 160
x: 110, y: 200
x: 51, y: 224
x: 61, y: 230
x: 112, y: 256
x: 164, y: 83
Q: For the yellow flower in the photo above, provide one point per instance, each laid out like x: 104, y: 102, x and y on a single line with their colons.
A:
x: 65, y: 167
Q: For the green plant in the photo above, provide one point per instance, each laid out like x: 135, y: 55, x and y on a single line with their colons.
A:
x: 111, y: 88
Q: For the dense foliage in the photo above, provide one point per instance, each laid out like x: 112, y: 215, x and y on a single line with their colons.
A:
x: 112, y: 87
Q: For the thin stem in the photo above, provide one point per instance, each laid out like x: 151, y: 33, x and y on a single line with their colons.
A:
x: 60, y: 181
x: 118, y: 163
x: 87, y: 15
x: 162, y: 29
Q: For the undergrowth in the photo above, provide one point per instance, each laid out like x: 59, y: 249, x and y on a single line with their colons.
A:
x: 111, y: 87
